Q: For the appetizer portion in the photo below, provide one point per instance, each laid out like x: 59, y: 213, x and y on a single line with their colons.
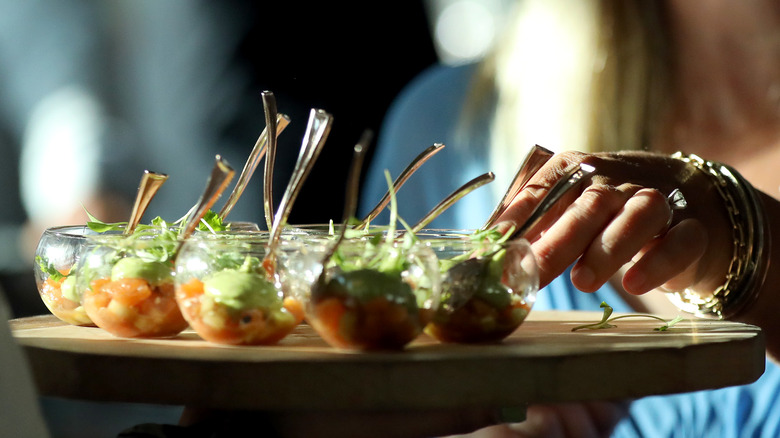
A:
x: 374, y: 293
x: 58, y: 251
x: 127, y: 283
x: 488, y: 287
x: 227, y: 295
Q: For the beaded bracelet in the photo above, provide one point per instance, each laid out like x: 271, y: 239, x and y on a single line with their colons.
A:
x: 750, y: 253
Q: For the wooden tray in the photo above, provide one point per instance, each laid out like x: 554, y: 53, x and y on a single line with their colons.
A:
x: 543, y: 361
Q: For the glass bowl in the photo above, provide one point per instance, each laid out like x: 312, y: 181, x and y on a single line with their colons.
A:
x: 487, y: 288
x: 127, y: 284
x: 231, y: 294
x: 374, y: 295
x: 59, y: 250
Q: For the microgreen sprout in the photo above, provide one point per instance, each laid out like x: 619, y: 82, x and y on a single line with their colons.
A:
x: 49, y: 269
x: 165, y: 232
x: 605, y: 320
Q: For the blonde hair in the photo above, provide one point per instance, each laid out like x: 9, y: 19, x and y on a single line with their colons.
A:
x: 589, y: 75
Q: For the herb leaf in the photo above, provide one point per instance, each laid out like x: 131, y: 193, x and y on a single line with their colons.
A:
x: 49, y: 269
x: 605, y: 320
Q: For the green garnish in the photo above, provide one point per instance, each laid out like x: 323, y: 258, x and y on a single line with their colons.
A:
x: 165, y: 234
x: 382, y: 258
x: 49, y: 269
x: 381, y: 254
x: 605, y: 320
x: 99, y: 226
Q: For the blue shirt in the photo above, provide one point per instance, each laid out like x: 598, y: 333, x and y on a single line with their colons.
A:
x: 428, y: 111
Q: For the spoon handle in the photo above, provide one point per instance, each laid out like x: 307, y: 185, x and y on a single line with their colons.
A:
x: 555, y: 193
x: 402, y: 178
x: 532, y: 163
x: 220, y: 177
x: 353, y: 187
x: 453, y: 198
x: 272, y: 124
x: 150, y: 184
x: 317, y: 131
x: 258, y: 151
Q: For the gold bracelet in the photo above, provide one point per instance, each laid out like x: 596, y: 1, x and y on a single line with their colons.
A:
x: 751, y: 241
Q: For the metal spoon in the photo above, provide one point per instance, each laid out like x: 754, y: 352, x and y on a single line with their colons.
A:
x: 464, y: 279
x: 317, y: 131
x: 452, y: 199
x: 220, y: 177
x: 150, y: 184
x: 552, y: 196
x: 258, y: 152
x: 532, y: 163
x: 269, y: 105
x: 402, y: 178
x: 350, y: 199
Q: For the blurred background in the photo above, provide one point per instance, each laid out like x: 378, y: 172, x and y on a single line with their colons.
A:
x: 94, y: 92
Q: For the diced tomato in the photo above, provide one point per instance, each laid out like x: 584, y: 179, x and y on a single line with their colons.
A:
x: 216, y: 323
x: 295, y: 307
x: 477, y: 322
x: 63, y: 308
x: 130, y: 307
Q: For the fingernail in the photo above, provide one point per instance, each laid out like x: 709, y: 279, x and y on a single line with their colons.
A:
x: 634, y: 282
x: 583, y: 276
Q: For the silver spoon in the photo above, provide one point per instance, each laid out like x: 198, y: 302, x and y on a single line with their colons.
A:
x: 220, y: 177
x: 552, y: 196
x: 317, y: 132
x: 269, y: 105
x: 257, y: 154
x: 532, y: 163
x: 453, y: 198
x: 350, y: 199
x: 150, y: 184
x: 402, y: 178
x: 464, y: 279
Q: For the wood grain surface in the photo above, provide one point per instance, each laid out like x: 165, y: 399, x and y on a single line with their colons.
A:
x: 543, y: 361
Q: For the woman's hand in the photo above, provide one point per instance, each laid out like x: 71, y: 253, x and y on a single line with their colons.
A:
x: 621, y: 216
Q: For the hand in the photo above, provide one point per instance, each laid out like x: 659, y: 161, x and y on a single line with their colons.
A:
x: 621, y: 216
x: 420, y: 423
x: 563, y: 420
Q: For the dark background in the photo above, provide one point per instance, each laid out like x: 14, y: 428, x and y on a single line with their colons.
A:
x: 348, y: 58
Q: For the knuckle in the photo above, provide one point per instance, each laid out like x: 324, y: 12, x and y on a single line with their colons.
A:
x: 651, y: 201
x: 600, y: 199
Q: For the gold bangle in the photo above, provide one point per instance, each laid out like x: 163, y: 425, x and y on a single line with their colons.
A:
x: 750, y: 254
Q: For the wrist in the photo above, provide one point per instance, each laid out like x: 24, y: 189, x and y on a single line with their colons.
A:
x: 750, y: 245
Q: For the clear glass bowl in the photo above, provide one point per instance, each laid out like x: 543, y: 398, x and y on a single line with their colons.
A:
x: 374, y: 296
x: 487, y: 288
x: 231, y: 294
x: 304, y: 231
x: 59, y: 250
x: 127, y: 285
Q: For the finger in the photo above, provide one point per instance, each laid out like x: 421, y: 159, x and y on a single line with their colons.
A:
x: 566, y: 240
x: 538, y: 186
x: 669, y: 261
x: 643, y: 216
x: 423, y: 423
x: 588, y: 419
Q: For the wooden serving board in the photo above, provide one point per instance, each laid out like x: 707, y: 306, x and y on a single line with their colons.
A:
x: 543, y: 361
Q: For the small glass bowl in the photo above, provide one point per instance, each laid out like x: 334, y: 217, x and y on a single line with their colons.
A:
x: 242, y: 226
x: 59, y: 250
x: 127, y: 285
x: 487, y: 288
x: 374, y: 296
x: 304, y: 231
x: 231, y: 294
